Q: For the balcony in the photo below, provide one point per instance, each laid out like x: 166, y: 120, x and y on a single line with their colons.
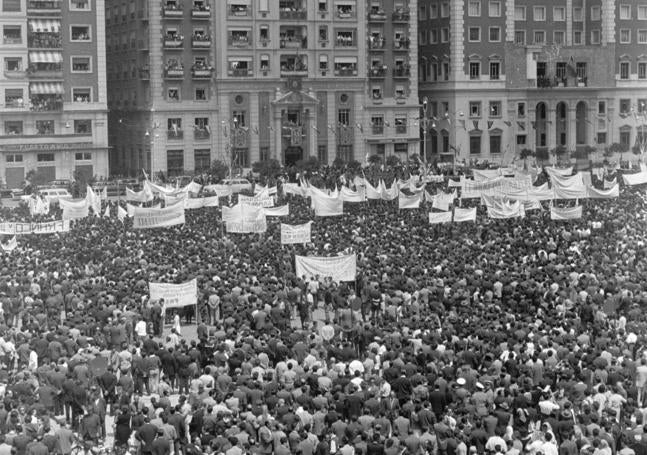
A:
x: 294, y: 42
x: 45, y: 40
x: 376, y: 43
x: 173, y: 42
x: 401, y: 16
x: 12, y: 40
x: 239, y: 11
x: 201, y: 12
x: 144, y: 74
x: 202, y: 72
x: 172, y: 11
x: 15, y: 74
x: 43, y: 8
x: 174, y: 73
x: 45, y: 71
x: 378, y: 72
x: 294, y: 69
x: 345, y: 14
x: 345, y: 71
x: 240, y: 72
x: 200, y: 42
x: 46, y: 103
x: 345, y: 41
x: 400, y: 129
x: 377, y: 129
x: 299, y: 14
x: 15, y: 104
x: 239, y: 41
x: 401, y: 72
x: 175, y: 134
x: 377, y: 15
x: 200, y: 134
x: 402, y: 44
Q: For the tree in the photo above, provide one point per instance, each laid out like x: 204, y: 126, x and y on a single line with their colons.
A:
x: 392, y: 161
x: 338, y: 163
x: 218, y: 170
x: 309, y: 164
x: 36, y: 177
x: 269, y: 168
x: 526, y: 153
x: 542, y: 154
x: 354, y: 165
x: 375, y: 160
x: 614, y: 148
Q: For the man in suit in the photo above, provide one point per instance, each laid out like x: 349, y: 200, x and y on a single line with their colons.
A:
x: 146, y: 435
x: 161, y: 445
x: 97, y: 405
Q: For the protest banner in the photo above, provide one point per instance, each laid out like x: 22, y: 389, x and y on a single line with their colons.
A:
x: 49, y: 227
x: 283, y: 210
x: 198, y: 203
x: 461, y: 215
x: 74, y: 210
x: 325, y: 205
x: 566, y: 213
x: 607, y: 193
x: 256, y: 201
x: 244, y: 219
x: 146, y: 195
x: 440, y: 217
x: 175, y: 295
x: 247, y: 226
x: 11, y: 245
x: 409, y: 202
x: 339, y: 268
x: 300, y: 233
x: 145, y: 218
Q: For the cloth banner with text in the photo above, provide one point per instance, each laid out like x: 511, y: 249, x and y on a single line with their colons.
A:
x: 283, y: 210
x: 325, y: 205
x: 566, y: 213
x: 74, y: 210
x: 145, y: 218
x: 339, y: 268
x: 409, y: 202
x: 175, y: 295
x: 244, y: 219
x: 257, y: 201
x: 462, y: 215
x: 440, y: 217
x: 201, y: 202
x: 49, y: 227
x: 300, y: 233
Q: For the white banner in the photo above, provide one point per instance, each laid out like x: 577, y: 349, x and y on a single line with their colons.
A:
x: 244, y: 219
x: 256, y: 201
x: 121, y: 213
x: 325, y: 205
x: 372, y: 192
x: 349, y: 195
x: 609, y: 193
x: 440, y: 217
x: 294, y: 188
x: 38, y: 206
x: 300, y: 233
x: 74, y: 210
x: 462, y: 215
x: 130, y: 209
x: 635, y: 179
x: 409, y: 202
x: 106, y: 213
x: 49, y: 227
x: 172, y: 199
x: 93, y: 200
x: 11, y: 245
x: 198, y: 203
x: 247, y: 226
x: 145, y: 218
x: 260, y: 189
x: 220, y: 190
x: 175, y: 295
x: 339, y: 268
x: 391, y: 193
x: 283, y: 210
x: 566, y: 213
x: 146, y: 195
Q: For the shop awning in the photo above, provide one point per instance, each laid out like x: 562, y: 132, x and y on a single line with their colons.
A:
x: 46, y: 88
x: 45, y: 57
x: 345, y: 59
x: 44, y: 25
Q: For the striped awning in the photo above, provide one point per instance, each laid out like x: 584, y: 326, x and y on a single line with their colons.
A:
x: 46, y: 88
x: 45, y: 57
x: 44, y: 25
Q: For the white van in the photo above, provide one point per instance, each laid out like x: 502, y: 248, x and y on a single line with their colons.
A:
x: 237, y: 185
x: 53, y: 195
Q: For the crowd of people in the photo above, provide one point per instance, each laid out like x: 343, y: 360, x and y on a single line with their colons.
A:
x: 495, y: 337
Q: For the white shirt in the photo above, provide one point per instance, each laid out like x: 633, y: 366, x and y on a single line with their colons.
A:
x: 141, y: 328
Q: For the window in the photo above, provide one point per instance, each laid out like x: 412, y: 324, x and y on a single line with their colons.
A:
x: 343, y: 117
x: 444, y: 9
x: 642, y: 12
x: 81, y: 95
x: 200, y: 94
x: 494, y: 8
x: 11, y: 34
x: 80, y: 33
x: 521, y: 110
x: 624, y: 70
x: 433, y: 11
x: 323, y: 6
x: 625, y: 105
x: 446, y: 71
x: 174, y: 128
x: 625, y: 36
x: 322, y: 153
x: 577, y: 38
x: 444, y: 35
x: 83, y: 156
x: 559, y: 14
x: 580, y: 69
x: 377, y: 124
x: 475, y: 144
x: 625, y: 137
x: 578, y: 15
x: 174, y: 163
x: 82, y: 126
x: 642, y: 36
x: 521, y: 139
x: 560, y: 70
x: 173, y: 94
x: 475, y: 108
x: 13, y: 97
x: 11, y: 6
x: 495, y: 34
x: 423, y: 12
x: 539, y: 37
x: 475, y: 70
x: 81, y: 64
x: 265, y: 62
x: 520, y: 37
x: 495, y: 109
x: 595, y: 36
x: 602, y: 107
x: 400, y: 125
x: 559, y: 37
x: 12, y: 127
x: 474, y: 34
x: 641, y: 105
x: 474, y: 8
x: 45, y: 157
x: 44, y: 127
x: 323, y: 33
x: 14, y: 158
x: 495, y: 70
x: 323, y: 62
x: 495, y: 144
x: 541, y: 69
x: 240, y: 118
x: 539, y: 13
x: 433, y: 36
x: 82, y: 5
x: 595, y: 13
x: 345, y: 152
x: 519, y: 13
x: 264, y: 153
x: 625, y: 12
x: 13, y: 64
x: 602, y: 138
x: 201, y: 159
x: 642, y: 70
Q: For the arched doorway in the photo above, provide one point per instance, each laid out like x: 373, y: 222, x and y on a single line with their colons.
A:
x: 581, y: 121
x: 540, y: 125
x: 292, y: 155
x: 561, y: 122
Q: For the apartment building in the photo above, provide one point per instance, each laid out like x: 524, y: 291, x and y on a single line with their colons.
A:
x: 53, y: 110
x: 507, y: 75
x: 250, y: 80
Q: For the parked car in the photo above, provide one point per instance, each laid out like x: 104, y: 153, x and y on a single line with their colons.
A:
x: 237, y: 185
x: 13, y: 193
x: 54, y: 195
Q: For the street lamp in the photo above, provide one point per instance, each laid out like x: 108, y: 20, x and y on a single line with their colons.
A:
x: 425, y: 129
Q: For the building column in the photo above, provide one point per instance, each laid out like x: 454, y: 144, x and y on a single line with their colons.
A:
x: 571, y: 121
x: 310, y: 133
x: 551, y: 127
x: 276, y: 124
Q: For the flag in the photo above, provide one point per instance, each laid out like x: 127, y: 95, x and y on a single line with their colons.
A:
x: 106, y: 212
x: 121, y: 214
x: 10, y: 245
x: 507, y: 123
x: 104, y: 193
x: 522, y: 126
x: 145, y: 174
x: 476, y: 124
x: 489, y: 124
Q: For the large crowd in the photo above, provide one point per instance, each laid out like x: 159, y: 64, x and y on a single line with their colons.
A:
x: 521, y: 336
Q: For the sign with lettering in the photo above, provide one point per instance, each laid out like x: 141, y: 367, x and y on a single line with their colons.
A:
x: 50, y: 227
x: 175, y: 295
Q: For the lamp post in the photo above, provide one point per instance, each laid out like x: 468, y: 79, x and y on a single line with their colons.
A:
x: 425, y: 129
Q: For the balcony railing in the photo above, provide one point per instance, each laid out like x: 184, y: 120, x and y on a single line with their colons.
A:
x: 238, y: 41
x: 174, y: 73
x: 201, y: 73
x: 377, y: 72
x: 200, y: 42
x: 172, y: 12
x: 294, y: 42
x: 345, y: 14
x: 14, y: 104
x: 45, y: 40
x: 15, y: 74
x: 239, y: 12
x: 377, y: 16
x: 44, y: 8
x: 201, y: 12
x: 345, y: 71
x: 401, y: 16
x: 376, y: 43
x: 46, y: 103
x: 201, y: 134
x: 294, y: 14
x: 294, y: 70
x: 240, y: 72
x: 175, y: 134
x: 401, y: 72
x: 400, y: 129
x: 173, y: 43
x: 402, y: 44
x: 51, y: 71
x: 345, y: 42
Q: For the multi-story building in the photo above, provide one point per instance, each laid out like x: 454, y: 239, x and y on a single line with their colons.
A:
x: 53, y: 111
x: 502, y: 76
x: 249, y: 80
